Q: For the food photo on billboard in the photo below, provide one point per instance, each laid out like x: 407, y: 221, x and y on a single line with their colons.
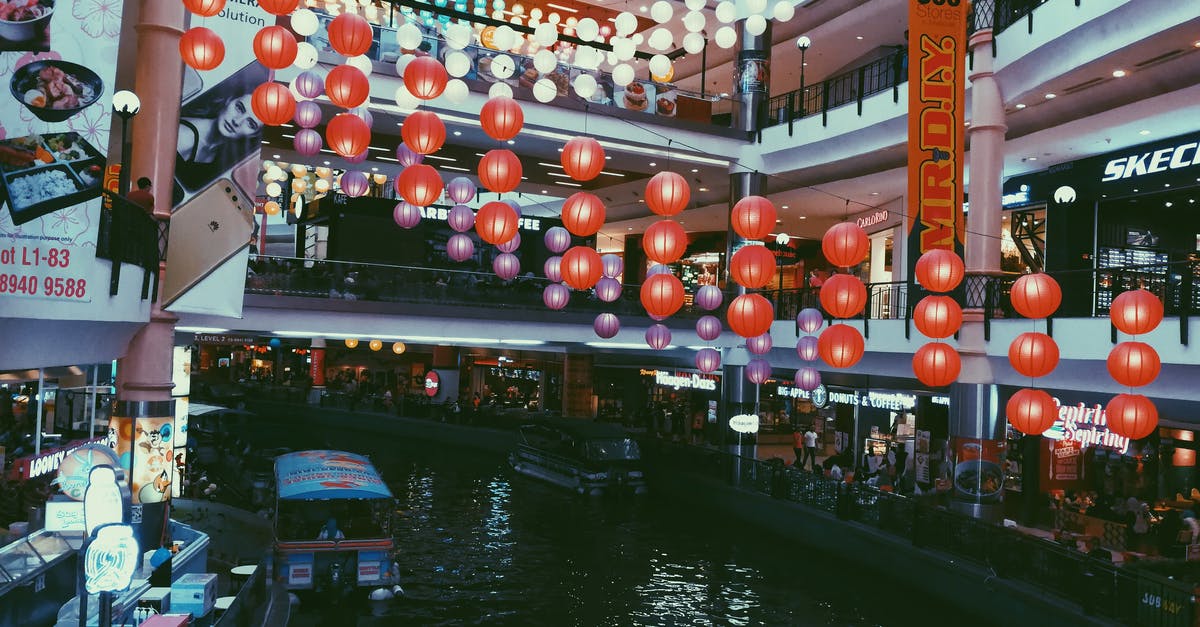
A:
x: 25, y: 25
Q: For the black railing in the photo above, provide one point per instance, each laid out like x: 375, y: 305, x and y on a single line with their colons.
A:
x: 849, y: 87
x: 128, y: 234
x: 247, y: 606
x: 1132, y: 596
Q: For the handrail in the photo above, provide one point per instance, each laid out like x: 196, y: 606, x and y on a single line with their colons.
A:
x: 838, y: 90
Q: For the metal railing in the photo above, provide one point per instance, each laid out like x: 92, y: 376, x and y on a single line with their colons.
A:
x: 1132, y: 596
x: 1000, y: 14
x: 128, y: 234
x: 849, y: 87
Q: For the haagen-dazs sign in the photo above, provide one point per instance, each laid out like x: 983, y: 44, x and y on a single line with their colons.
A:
x: 688, y: 381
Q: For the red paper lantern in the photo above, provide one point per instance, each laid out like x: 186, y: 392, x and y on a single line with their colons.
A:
x: 752, y: 266
x: 496, y: 222
x: 501, y: 117
x: 423, y: 132
x: 940, y: 270
x: 937, y: 316
x: 662, y: 295
x: 421, y: 185
x: 843, y: 295
x: 1131, y: 415
x: 845, y: 244
x: 204, y: 8
x: 1136, y: 312
x: 201, y: 48
x: 348, y: 135
x: 275, y: 47
x: 1036, y: 295
x: 347, y: 86
x: 350, y: 35
x: 1134, y: 364
x: 753, y: 217
x: 667, y: 193
x: 1033, y: 354
x: 841, y: 346
x: 664, y: 242
x: 580, y: 267
x: 1031, y: 411
x: 500, y: 170
x: 583, y: 214
x: 936, y: 364
x: 273, y: 104
x: 278, y: 7
x: 750, y: 315
x: 582, y: 158
x: 425, y: 78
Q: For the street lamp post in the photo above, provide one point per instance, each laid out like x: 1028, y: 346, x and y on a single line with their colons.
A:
x: 802, y: 43
x: 126, y: 104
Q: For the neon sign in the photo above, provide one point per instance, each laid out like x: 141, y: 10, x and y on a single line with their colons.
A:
x: 688, y: 381
x: 1087, y: 425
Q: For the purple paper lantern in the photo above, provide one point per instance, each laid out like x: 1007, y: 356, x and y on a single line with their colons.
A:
x: 657, y: 318
x: 506, y: 266
x: 460, y: 218
x: 810, y: 320
x: 459, y: 247
x: 611, y: 265
x: 359, y: 158
x: 708, y: 328
x: 758, y: 370
x: 708, y: 359
x: 658, y: 268
x: 709, y: 297
x: 307, y: 142
x: 511, y: 245
x: 308, y: 114
x: 406, y: 216
x: 355, y: 183
x: 461, y: 189
x: 607, y: 325
x: 806, y: 348
x: 608, y: 289
x: 808, y: 379
x: 658, y: 337
x: 556, y: 296
x: 515, y: 206
x: 557, y: 239
x: 363, y: 114
x: 553, y: 269
x: 406, y: 156
x: 310, y: 84
x: 760, y: 344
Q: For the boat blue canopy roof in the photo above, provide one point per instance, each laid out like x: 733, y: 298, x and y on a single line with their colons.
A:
x: 322, y: 475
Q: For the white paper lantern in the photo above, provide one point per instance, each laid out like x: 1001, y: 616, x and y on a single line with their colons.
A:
x: 638, y: 39
x: 305, y: 22
x: 695, y: 5
x: 458, y: 35
x: 275, y: 173
x: 362, y: 62
x: 693, y: 21
x: 625, y: 23
x: 405, y: 99
x: 402, y: 63
x: 503, y: 66
x: 726, y: 37
x: 784, y: 11
x: 693, y: 43
x: 544, y: 61
x: 661, y: 11
x: 500, y: 89
x: 306, y: 55
x: 756, y: 25
x: 726, y: 12
x: 545, y: 34
x: 544, y: 90
x: 274, y: 190
x: 504, y: 37
x: 622, y: 75
x: 611, y: 58
x: 624, y: 48
x: 587, y: 29
x: 458, y: 64
x: 587, y: 57
x: 456, y: 91
x: 660, y: 39
x: 408, y: 36
x: 585, y: 86
x: 660, y: 65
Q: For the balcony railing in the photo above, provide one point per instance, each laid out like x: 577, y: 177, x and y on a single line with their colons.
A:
x: 849, y: 87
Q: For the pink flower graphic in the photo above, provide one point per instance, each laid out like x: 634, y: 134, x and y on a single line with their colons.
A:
x: 69, y: 225
x: 99, y: 19
x: 10, y: 61
x: 93, y: 124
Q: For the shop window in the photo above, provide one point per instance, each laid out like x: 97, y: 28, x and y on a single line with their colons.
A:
x: 1023, y: 241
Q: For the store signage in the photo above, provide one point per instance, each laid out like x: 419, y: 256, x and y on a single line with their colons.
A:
x: 111, y: 559
x: 1065, y: 195
x: 689, y: 381
x: 877, y: 220
x: 1171, y: 158
x: 222, y: 338
x: 1086, y: 424
x: 744, y: 423
x: 47, y: 461
x: 64, y: 516
x: 440, y: 213
x: 1019, y: 197
x: 432, y: 384
x: 821, y: 397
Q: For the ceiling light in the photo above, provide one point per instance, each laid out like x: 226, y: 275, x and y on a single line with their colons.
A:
x: 630, y: 228
x: 784, y: 206
x: 874, y: 193
x: 1166, y: 184
x: 1169, y: 204
x: 559, y: 174
x: 1050, y: 96
x: 524, y: 342
x: 545, y: 192
x: 695, y: 170
x: 1143, y: 132
x: 803, y: 217
x: 1197, y: 44
x: 778, y: 221
x: 642, y: 9
x: 277, y: 156
x: 458, y: 133
x: 652, y: 164
x: 438, y: 157
x: 606, y: 157
x: 374, y: 169
x: 453, y: 167
x: 859, y: 37
x: 1118, y: 73
x: 326, y: 163
x: 605, y: 172
x: 1031, y: 158
x: 1020, y: 106
x: 511, y: 142
x: 570, y: 184
x: 704, y: 189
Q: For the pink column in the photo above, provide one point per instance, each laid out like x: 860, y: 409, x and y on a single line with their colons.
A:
x: 144, y: 374
x: 986, y: 159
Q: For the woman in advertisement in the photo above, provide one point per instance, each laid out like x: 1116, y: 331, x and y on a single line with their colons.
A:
x: 218, y: 129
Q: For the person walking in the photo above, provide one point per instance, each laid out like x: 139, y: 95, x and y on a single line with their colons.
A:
x: 810, y: 448
x: 798, y: 446
x: 142, y: 196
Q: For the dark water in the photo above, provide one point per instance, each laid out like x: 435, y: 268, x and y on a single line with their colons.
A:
x: 481, y: 545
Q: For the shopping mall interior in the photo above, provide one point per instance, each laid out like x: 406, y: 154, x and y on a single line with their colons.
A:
x: 913, y: 276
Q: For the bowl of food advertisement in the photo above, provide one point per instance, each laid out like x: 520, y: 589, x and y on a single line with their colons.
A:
x: 54, y: 91
x: 23, y: 20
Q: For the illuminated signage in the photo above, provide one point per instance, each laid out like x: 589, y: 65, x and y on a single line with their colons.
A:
x: 894, y: 401
x: 432, y: 383
x: 111, y: 559
x: 64, y: 516
x: 48, y: 461
x: 744, y: 423
x: 1086, y: 424
x: 1019, y: 197
x: 440, y: 213
x: 1171, y: 158
x: 689, y: 381
x: 872, y: 219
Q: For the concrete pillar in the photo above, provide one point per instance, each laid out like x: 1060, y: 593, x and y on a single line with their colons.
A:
x: 751, y: 77
x: 316, y: 370
x: 577, y: 385
x: 986, y: 159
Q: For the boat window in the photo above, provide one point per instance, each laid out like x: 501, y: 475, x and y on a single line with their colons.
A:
x: 351, y: 519
x: 608, y: 450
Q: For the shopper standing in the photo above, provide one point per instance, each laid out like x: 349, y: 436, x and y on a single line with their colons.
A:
x: 798, y: 446
x: 810, y: 448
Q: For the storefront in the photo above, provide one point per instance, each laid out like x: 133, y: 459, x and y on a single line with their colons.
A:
x: 880, y: 224
x: 1133, y: 209
x: 674, y: 403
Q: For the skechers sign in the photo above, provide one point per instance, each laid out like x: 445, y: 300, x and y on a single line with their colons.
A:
x: 1172, y: 158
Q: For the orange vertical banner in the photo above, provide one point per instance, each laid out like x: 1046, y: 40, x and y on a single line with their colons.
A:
x: 937, y: 50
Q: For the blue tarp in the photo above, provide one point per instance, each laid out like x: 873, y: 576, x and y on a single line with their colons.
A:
x: 328, y: 475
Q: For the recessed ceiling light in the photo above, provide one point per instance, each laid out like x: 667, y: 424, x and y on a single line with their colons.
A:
x: 631, y: 228
x: 704, y: 189
x: 458, y: 133
x: 276, y: 156
x: 642, y: 8
x: 1166, y: 184
x: 640, y: 200
x: 874, y: 193
x: 1020, y: 106
x: 778, y: 221
x: 327, y: 163
x: 785, y: 206
x: 544, y: 191
x: 1143, y: 132
x: 858, y: 37
x: 606, y: 157
x: 374, y: 169
x: 1169, y: 204
x: 652, y: 164
x: 1051, y: 96
x: 1118, y: 73
x: 803, y: 217
x: 695, y: 170
x: 1031, y: 158
x: 1197, y: 44
x: 511, y: 142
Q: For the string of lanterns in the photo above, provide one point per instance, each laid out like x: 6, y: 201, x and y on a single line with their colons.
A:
x: 808, y: 321
x: 664, y: 242
x: 375, y: 345
x: 1134, y: 364
x: 844, y: 245
x: 1029, y: 410
x: 938, y: 316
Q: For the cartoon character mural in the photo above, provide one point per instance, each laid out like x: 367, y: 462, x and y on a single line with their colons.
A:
x: 153, y: 459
